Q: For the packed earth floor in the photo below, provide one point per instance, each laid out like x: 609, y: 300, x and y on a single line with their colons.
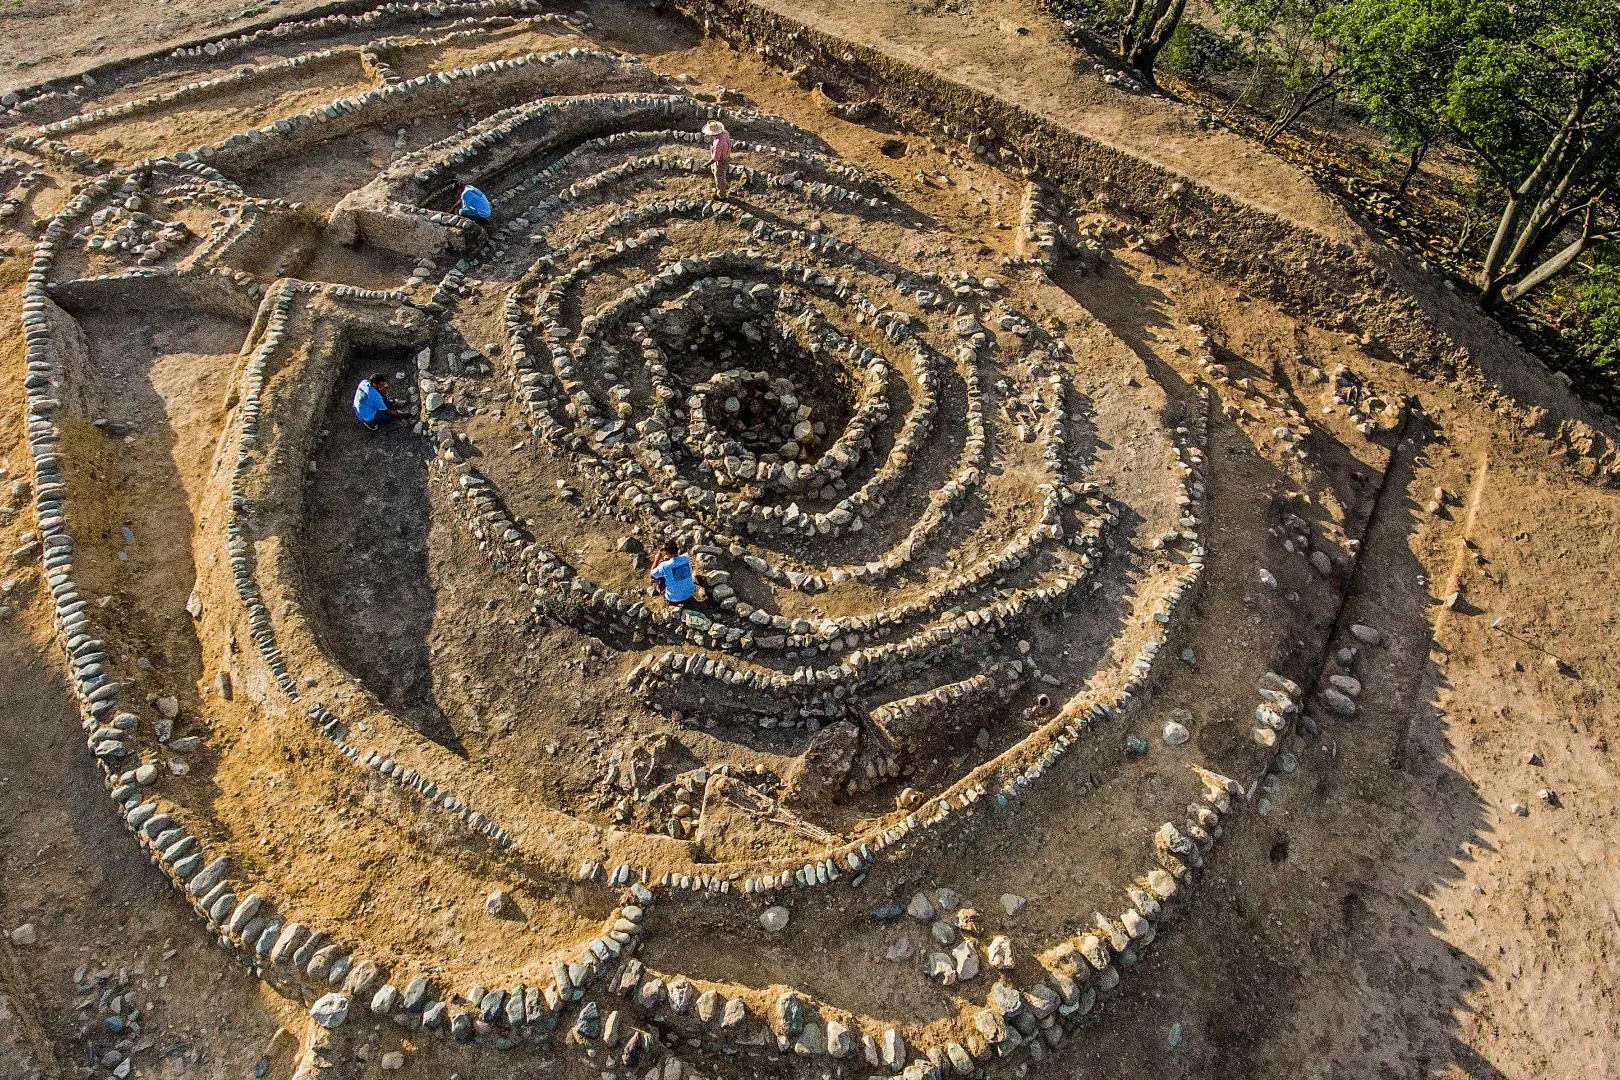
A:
x: 1111, y: 657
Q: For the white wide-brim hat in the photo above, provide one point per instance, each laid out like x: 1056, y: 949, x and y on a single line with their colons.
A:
x: 714, y: 127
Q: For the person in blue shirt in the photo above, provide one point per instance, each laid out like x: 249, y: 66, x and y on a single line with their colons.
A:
x: 474, y: 204
x: 673, y: 578
x: 370, y: 403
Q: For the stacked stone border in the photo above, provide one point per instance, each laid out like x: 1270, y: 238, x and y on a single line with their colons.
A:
x: 1306, y: 274
x: 305, y: 961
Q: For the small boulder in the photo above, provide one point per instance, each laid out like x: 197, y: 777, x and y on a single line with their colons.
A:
x: 1338, y: 701
x: 1365, y: 634
x: 1346, y: 683
x: 330, y: 1011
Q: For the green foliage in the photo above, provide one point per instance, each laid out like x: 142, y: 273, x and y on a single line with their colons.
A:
x: 1514, y: 81
x: 1397, y: 55
x: 1531, y: 86
x: 1497, y: 75
x: 1292, y: 51
x: 1597, y: 313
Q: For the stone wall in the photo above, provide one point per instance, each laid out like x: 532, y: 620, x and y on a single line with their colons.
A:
x: 1308, y: 275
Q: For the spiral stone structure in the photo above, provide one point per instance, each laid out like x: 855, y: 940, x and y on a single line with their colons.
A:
x: 428, y: 751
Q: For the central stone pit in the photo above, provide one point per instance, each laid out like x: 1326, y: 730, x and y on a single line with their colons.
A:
x: 946, y: 525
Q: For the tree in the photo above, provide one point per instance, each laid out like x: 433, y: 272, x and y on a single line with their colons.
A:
x: 1145, y: 29
x: 1597, y: 313
x: 1540, y: 105
x: 1292, y: 50
x: 1397, y: 56
x: 1532, y: 87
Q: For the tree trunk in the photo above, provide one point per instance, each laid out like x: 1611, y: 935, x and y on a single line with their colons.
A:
x: 1414, y: 158
x: 1556, y: 265
x: 1127, y: 28
x: 1465, y: 234
x: 1147, y: 50
x: 1550, y: 217
x: 1493, y: 275
x: 1300, y: 105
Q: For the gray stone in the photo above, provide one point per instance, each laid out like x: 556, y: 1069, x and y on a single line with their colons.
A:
x: 330, y: 1011
x: 892, y: 1050
x: 965, y: 958
x: 1338, y: 702
x: 362, y: 978
x: 790, y: 1013
x: 811, y: 1042
x: 208, y: 877
x: 1346, y: 683
x: 588, y: 1025
x: 1005, y: 999
x: 840, y: 1043
x: 1367, y: 635
x: 416, y: 993
x: 385, y: 1000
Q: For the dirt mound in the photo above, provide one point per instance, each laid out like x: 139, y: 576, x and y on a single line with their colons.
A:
x: 1043, y: 577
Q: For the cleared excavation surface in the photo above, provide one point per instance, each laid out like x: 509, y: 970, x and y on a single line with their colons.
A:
x: 1100, y: 662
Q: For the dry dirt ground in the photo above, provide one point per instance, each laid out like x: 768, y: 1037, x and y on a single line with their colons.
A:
x: 1393, y: 915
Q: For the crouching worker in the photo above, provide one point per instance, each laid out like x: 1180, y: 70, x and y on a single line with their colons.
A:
x: 371, y: 404
x: 673, y: 578
x: 474, y: 204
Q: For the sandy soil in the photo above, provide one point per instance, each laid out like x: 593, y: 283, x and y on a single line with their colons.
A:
x: 1393, y: 916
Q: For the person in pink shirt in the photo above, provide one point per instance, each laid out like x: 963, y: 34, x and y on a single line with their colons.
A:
x: 719, y: 154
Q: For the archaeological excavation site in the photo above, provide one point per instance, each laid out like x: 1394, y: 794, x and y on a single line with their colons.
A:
x: 1093, y: 563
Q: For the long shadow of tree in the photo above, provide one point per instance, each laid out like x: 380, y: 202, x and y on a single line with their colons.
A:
x: 1309, y: 949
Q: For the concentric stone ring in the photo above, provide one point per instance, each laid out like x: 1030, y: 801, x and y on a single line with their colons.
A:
x: 944, y: 520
